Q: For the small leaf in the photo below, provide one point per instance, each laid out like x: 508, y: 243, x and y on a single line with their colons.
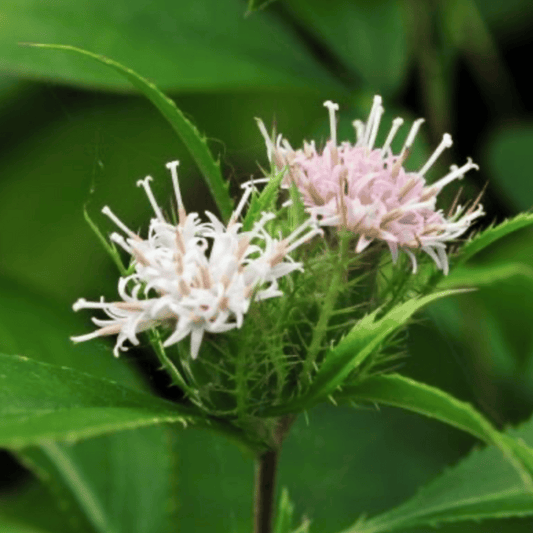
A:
x: 40, y: 402
x: 263, y: 201
x: 481, y: 486
x: 195, y: 143
x: 493, y: 234
x: 285, y: 513
x: 361, y: 342
x: 399, y: 391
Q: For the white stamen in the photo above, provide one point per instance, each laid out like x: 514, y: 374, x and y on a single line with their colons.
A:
x: 86, y: 337
x: 266, y: 136
x: 120, y: 240
x: 332, y: 107
x: 359, y: 127
x: 396, y: 124
x: 173, y: 167
x: 445, y: 143
x: 412, y: 134
x: 374, y: 112
x: 106, y: 211
x: 145, y: 184
x: 300, y: 229
x: 236, y: 214
x: 457, y: 173
x: 375, y: 127
x: 304, y: 238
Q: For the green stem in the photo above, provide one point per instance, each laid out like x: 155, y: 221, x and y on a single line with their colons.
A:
x: 326, y: 311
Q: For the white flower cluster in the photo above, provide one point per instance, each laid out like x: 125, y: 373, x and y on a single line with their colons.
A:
x: 194, y: 276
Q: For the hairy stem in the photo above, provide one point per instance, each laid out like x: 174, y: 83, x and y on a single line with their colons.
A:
x: 326, y: 311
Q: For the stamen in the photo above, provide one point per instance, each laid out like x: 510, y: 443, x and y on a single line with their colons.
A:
x: 374, y: 112
x: 359, y: 127
x: 107, y: 211
x: 412, y: 134
x: 266, y: 136
x: 445, y: 143
x: 304, y: 238
x: 173, y: 167
x: 375, y: 127
x: 121, y: 241
x: 332, y: 107
x: 456, y: 173
x: 235, y: 215
x: 396, y: 124
x: 145, y: 184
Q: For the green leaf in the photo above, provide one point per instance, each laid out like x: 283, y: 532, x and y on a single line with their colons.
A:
x: 191, y: 45
x: 360, y: 343
x: 263, y: 201
x: 195, y: 143
x: 399, y: 391
x: 493, y: 234
x: 124, y: 488
x: 368, y: 37
x: 477, y: 276
x: 507, y: 158
x: 284, y: 513
x: 255, y: 5
x: 481, y: 486
x: 40, y: 402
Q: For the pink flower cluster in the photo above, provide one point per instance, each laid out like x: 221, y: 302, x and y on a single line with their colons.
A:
x: 368, y: 191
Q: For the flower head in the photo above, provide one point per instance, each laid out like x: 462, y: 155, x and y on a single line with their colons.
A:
x: 367, y: 190
x: 193, y: 276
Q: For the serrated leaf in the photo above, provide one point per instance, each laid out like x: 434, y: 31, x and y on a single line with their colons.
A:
x: 400, y: 391
x: 40, y: 402
x: 361, y: 342
x: 493, y: 234
x: 477, y: 276
x: 195, y: 143
x: 481, y: 486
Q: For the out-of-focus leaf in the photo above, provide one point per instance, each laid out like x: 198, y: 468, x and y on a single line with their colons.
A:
x: 507, y: 16
x: 481, y: 486
x: 399, y: 391
x: 493, y: 234
x: 126, y: 487
x: 45, y: 402
x: 195, y: 143
x: 254, y: 5
x: 507, y: 158
x: 186, y: 45
x: 368, y: 37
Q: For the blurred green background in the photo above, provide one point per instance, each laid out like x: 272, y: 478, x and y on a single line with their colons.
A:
x: 73, y: 133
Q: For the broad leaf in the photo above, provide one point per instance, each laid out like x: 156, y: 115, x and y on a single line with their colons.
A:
x: 190, y: 45
x: 195, y: 143
x: 507, y: 157
x: 493, y: 234
x: 368, y: 38
x: 125, y: 488
x: 400, y: 391
x: 40, y: 402
x: 477, y: 276
x: 254, y: 5
x: 481, y: 486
